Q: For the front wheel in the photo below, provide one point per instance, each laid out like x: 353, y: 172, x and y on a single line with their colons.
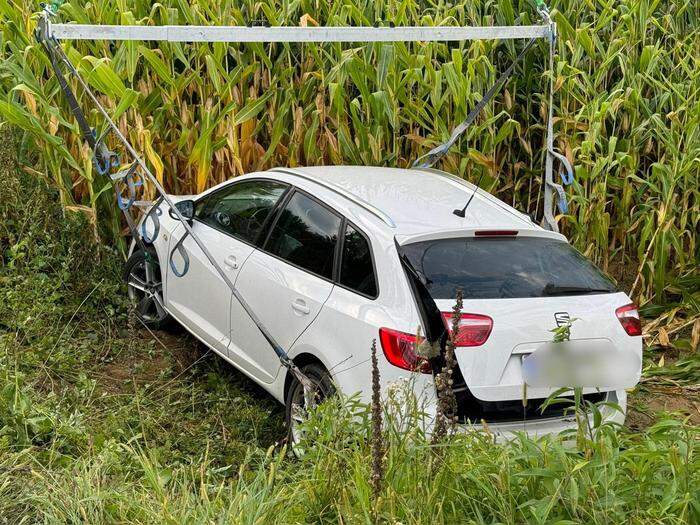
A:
x: 145, y: 288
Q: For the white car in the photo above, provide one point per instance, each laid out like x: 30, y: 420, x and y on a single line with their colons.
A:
x: 332, y: 258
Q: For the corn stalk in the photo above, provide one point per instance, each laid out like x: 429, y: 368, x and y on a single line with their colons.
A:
x: 627, y: 93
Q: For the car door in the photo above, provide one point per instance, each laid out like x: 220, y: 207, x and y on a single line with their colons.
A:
x: 287, y: 281
x: 229, y: 223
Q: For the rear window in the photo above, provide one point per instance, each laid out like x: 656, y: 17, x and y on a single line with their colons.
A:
x: 492, y: 268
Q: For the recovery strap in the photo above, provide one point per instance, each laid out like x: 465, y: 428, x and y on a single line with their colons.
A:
x: 58, y: 57
x: 435, y: 154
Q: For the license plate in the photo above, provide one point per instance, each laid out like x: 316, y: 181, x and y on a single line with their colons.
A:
x: 594, y: 364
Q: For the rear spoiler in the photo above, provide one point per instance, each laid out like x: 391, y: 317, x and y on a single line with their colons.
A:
x: 489, y: 231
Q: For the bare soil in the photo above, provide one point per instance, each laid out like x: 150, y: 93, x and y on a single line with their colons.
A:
x: 173, y: 353
x: 649, y: 400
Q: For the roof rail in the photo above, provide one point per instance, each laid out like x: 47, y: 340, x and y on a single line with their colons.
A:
x: 340, y: 191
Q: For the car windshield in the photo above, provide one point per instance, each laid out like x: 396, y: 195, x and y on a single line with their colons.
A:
x: 499, y: 267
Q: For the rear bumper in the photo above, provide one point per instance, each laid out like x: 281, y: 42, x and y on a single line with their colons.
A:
x: 534, y: 428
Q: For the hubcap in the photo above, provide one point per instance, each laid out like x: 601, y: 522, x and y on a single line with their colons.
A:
x: 146, y: 291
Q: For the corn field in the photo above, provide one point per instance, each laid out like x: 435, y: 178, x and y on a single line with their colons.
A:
x: 627, y: 81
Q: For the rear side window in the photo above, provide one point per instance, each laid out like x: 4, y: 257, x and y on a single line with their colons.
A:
x: 356, y: 269
x: 306, y: 234
x: 490, y: 268
x: 241, y: 208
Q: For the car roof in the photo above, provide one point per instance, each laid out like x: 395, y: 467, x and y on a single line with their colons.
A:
x: 417, y: 201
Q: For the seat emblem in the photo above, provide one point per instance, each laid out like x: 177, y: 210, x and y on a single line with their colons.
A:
x: 562, y: 318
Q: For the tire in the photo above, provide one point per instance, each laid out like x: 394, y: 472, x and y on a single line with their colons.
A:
x: 317, y: 373
x: 145, y: 289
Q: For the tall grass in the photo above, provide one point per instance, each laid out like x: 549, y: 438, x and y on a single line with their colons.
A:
x: 627, y: 99
x: 653, y: 477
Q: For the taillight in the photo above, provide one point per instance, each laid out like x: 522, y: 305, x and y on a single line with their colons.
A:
x: 474, y: 329
x: 400, y: 350
x: 629, y: 319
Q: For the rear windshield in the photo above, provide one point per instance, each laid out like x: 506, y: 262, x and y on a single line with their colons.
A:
x: 490, y: 268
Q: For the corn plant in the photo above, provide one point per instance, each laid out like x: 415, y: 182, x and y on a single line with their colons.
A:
x: 627, y: 105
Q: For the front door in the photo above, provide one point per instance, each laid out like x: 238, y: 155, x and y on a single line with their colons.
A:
x: 200, y: 298
x: 229, y: 222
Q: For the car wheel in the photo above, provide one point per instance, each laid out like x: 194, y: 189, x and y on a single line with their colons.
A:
x: 295, y: 403
x: 145, y: 289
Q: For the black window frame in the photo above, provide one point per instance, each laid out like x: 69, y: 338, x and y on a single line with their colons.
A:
x: 278, y: 214
x: 343, y: 230
x: 262, y: 235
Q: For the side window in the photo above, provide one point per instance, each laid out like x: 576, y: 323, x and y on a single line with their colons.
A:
x: 240, y: 209
x: 356, y: 269
x: 306, y: 234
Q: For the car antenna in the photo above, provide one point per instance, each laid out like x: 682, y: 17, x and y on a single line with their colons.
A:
x: 463, y: 211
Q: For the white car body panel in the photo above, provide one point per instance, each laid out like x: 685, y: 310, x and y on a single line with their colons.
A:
x: 201, y: 297
x: 278, y: 291
x: 493, y: 371
x: 340, y: 325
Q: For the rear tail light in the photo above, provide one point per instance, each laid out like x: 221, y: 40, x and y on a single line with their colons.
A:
x: 629, y: 319
x: 400, y: 350
x: 474, y: 329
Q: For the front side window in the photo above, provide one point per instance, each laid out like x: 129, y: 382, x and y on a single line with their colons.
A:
x: 306, y: 235
x: 495, y: 268
x: 241, y: 208
x: 356, y: 269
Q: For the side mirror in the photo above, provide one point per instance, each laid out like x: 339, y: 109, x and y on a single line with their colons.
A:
x: 186, y: 208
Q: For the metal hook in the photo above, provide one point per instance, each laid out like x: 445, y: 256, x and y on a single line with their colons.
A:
x: 156, y: 224
x: 183, y: 254
x: 127, y: 177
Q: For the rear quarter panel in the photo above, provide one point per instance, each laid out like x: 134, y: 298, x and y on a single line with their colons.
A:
x: 343, y: 333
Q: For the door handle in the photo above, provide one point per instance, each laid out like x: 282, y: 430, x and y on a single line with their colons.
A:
x: 300, y: 306
x: 231, y: 262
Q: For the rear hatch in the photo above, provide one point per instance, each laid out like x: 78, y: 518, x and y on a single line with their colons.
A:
x: 517, y: 288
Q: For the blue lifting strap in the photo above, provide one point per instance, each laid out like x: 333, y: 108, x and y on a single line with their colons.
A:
x: 183, y: 254
x: 152, y: 215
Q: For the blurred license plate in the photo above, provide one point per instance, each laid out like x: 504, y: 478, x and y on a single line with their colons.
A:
x: 595, y: 364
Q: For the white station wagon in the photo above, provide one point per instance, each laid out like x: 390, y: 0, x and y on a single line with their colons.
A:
x: 332, y: 258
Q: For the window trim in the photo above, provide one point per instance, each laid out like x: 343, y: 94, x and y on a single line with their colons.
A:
x: 346, y: 223
x: 262, y: 235
x: 263, y: 246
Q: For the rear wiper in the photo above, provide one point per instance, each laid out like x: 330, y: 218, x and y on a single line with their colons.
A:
x: 555, y: 289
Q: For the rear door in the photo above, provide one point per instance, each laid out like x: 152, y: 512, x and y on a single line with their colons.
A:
x: 286, y: 282
x: 229, y: 223
x: 516, y: 289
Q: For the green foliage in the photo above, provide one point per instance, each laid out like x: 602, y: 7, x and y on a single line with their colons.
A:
x: 626, y: 93
x: 100, y: 424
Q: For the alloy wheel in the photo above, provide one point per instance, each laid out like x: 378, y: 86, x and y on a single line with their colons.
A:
x: 146, y: 291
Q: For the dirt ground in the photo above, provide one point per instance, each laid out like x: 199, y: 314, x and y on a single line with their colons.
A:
x: 649, y: 400
x: 174, y: 352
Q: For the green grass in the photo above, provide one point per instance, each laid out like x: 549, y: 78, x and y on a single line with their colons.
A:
x: 101, y: 422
